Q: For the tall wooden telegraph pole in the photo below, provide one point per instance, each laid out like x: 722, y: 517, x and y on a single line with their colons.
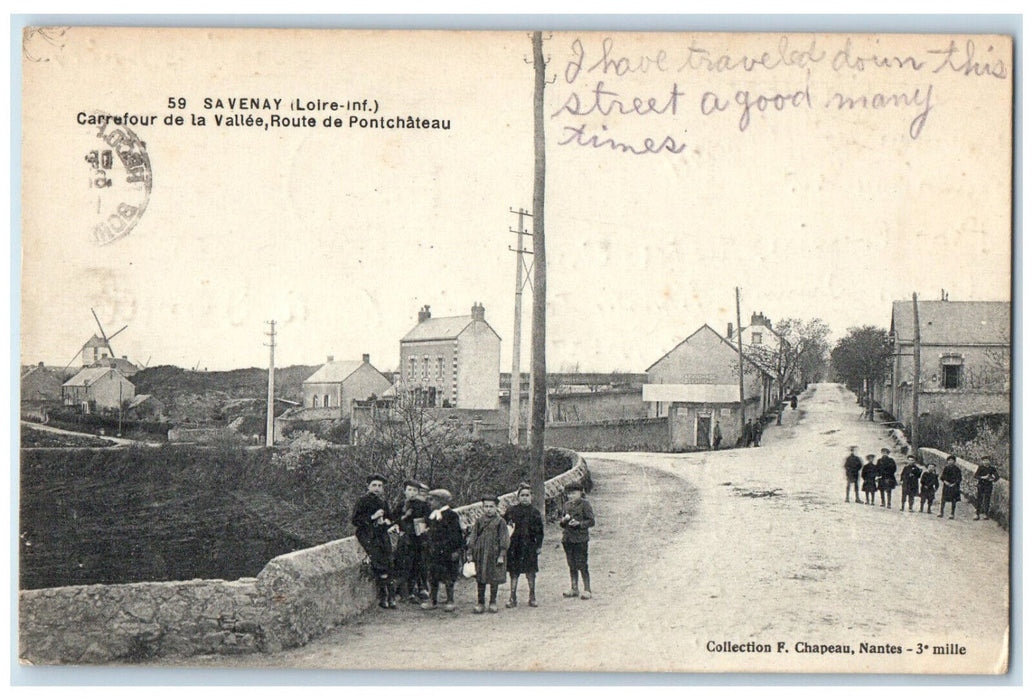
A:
x: 538, y: 314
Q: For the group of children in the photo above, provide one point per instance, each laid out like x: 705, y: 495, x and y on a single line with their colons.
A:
x: 881, y: 476
x: 418, y: 546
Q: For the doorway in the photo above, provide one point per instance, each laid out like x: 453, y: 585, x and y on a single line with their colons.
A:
x: 703, y: 428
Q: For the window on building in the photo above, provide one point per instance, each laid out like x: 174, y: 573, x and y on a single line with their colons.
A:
x: 326, y: 400
x: 441, y: 368
x: 758, y: 338
x: 951, y: 373
x: 412, y: 368
x: 426, y: 367
x: 315, y: 401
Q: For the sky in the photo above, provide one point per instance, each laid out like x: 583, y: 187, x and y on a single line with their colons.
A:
x: 341, y: 234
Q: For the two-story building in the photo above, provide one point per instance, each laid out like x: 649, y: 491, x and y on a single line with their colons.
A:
x: 696, y: 385
x: 451, y: 362
x: 965, y: 355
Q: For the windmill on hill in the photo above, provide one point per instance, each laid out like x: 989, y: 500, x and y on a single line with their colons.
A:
x: 98, y: 351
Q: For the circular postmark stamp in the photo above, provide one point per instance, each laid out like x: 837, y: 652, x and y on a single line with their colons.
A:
x: 119, y: 177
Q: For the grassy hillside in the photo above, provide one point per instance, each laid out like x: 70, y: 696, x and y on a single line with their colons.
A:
x: 201, y: 397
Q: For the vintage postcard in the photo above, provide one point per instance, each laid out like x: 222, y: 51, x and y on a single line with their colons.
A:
x: 549, y: 351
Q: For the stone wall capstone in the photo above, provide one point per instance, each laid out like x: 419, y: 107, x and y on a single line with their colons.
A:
x: 295, y: 597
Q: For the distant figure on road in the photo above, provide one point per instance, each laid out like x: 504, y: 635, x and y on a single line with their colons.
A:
x: 444, y: 549
x: 852, y: 467
x: 371, y: 522
x: 986, y: 475
x: 930, y: 482
x: 576, y: 518
x: 747, y: 434
x: 792, y: 401
x: 909, y: 478
x: 887, y: 480
x: 525, y: 544
x: 489, y: 543
x: 758, y: 430
x: 717, y: 435
x: 951, y: 479
x: 869, y: 477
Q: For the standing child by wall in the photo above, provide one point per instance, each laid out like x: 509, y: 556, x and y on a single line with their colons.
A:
x: 525, y: 544
x: 910, y: 476
x: 489, y: 542
x: 444, y: 548
x: 371, y: 522
x: 927, y: 495
x: 887, y: 480
x: 951, y: 480
x: 576, y: 518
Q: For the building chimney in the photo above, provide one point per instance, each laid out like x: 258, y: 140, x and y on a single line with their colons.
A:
x: 759, y: 319
x: 424, y: 314
x: 477, y: 311
x: 329, y: 358
x: 41, y: 365
x: 365, y: 358
x: 125, y: 357
x: 731, y: 330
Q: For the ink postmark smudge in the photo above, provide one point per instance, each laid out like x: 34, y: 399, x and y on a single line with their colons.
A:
x: 119, y: 178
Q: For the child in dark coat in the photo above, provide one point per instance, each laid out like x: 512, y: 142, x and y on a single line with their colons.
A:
x: 371, y: 522
x: 869, y: 475
x: 909, y: 479
x: 410, y: 516
x: 525, y: 544
x: 927, y: 491
x: 444, y: 549
x: 576, y: 518
x: 951, y: 480
x: 887, y: 480
x: 489, y: 543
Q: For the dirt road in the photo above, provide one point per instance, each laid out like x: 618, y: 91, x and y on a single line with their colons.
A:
x: 739, y: 546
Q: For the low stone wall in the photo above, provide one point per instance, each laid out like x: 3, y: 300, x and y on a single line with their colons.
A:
x: 629, y: 435
x: 102, y: 623
x: 296, y: 597
x: 1000, y: 499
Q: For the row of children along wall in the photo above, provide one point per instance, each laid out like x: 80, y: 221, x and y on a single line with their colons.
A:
x: 881, y: 476
x: 418, y: 547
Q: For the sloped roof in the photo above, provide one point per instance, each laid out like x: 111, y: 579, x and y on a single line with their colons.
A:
x: 123, y: 365
x: 88, y: 375
x: 954, y: 322
x: 334, y: 372
x: 95, y: 342
x: 139, y: 399
x: 443, y: 328
x: 728, y: 343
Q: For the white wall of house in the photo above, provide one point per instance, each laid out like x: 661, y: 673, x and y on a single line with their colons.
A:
x: 479, y: 355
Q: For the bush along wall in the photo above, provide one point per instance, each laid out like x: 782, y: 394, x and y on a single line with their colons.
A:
x: 294, y: 598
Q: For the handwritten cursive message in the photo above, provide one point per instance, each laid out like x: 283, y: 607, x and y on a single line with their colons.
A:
x: 606, y: 89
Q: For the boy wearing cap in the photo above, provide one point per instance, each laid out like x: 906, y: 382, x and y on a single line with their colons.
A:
x: 371, y: 522
x: 444, y: 548
x: 951, y: 479
x: 887, y: 480
x: 869, y: 475
x: 909, y: 478
x: 409, y: 556
x: 927, y: 493
x: 489, y: 542
x: 986, y: 475
x: 576, y: 518
x: 852, y: 467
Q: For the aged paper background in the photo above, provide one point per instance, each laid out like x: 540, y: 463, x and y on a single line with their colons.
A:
x: 827, y: 175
